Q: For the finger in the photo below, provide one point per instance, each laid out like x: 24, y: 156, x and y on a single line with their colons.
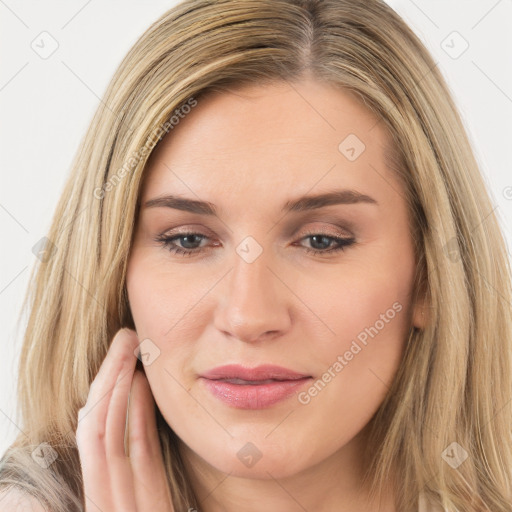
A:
x: 121, y: 476
x: 150, y: 480
x: 118, y: 406
x: 103, y: 384
x: 91, y: 429
x: 92, y: 417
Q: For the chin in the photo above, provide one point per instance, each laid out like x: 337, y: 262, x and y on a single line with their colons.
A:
x: 261, y: 459
x: 267, y: 467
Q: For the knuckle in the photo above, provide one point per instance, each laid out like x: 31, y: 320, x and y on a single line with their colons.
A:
x: 89, y: 432
x: 141, y: 441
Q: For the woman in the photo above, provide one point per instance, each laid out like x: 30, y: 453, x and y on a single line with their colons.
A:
x: 305, y: 270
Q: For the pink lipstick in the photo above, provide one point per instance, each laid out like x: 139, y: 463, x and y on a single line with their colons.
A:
x: 253, y: 388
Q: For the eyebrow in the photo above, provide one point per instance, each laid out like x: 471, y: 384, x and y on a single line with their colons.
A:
x: 304, y: 203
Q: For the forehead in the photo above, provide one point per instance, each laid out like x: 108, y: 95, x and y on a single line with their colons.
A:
x: 276, y: 140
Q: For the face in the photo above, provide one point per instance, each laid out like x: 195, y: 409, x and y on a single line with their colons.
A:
x: 259, y: 275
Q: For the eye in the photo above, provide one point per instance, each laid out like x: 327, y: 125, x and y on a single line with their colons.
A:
x: 323, y: 244
x: 189, y: 240
x: 323, y: 240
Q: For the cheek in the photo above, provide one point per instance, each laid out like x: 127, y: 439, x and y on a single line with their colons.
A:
x: 167, y: 313
x: 364, y: 321
x: 356, y: 303
x: 169, y: 310
x: 167, y: 319
x: 357, y: 364
x: 160, y: 301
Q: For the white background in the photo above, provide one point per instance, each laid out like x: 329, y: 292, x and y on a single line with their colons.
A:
x: 46, y: 105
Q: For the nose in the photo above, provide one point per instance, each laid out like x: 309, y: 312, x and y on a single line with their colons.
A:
x: 254, y: 304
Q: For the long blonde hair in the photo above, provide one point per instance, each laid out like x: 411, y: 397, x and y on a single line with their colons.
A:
x: 455, y: 382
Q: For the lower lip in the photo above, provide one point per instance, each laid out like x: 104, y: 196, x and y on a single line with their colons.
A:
x: 253, y: 396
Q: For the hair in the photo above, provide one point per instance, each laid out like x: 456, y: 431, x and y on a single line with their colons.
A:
x: 455, y: 380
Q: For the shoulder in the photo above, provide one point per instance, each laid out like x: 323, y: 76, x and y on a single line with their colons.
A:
x: 14, y: 500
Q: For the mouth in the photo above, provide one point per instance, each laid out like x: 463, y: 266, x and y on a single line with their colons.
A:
x: 243, y: 382
x: 256, y: 374
x: 253, y: 388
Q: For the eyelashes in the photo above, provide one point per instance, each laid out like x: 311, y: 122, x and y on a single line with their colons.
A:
x: 169, y: 243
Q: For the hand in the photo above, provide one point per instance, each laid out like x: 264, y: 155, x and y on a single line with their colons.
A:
x: 112, y: 480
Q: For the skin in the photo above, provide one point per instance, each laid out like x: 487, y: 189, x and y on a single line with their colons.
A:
x: 248, y: 151
x: 113, y: 481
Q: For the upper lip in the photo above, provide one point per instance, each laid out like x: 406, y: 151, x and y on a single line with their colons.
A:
x: 262, y: 372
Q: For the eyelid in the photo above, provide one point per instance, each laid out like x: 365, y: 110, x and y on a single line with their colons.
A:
x: 340, y: 226
x: 185, y: 229
x: 335, y: 230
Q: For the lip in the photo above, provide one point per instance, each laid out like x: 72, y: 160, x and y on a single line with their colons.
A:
x: 262, y: 372
x: 277, y: 384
